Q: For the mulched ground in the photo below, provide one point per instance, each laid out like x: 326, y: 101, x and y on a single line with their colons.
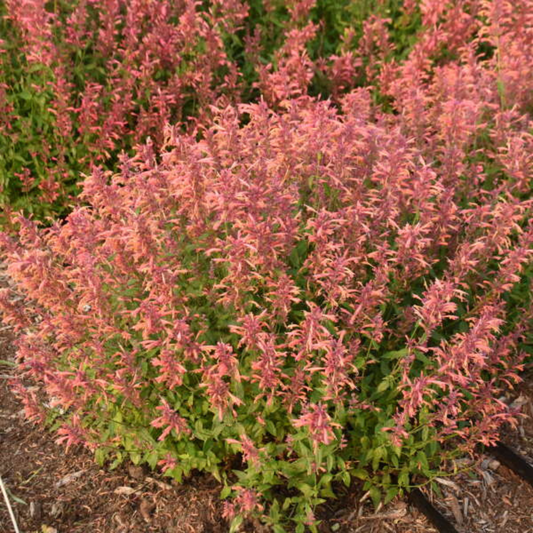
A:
x: 52, y: 491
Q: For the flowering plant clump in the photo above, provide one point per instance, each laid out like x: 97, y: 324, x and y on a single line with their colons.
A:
x: 304, y: 295
x: 310, y: 292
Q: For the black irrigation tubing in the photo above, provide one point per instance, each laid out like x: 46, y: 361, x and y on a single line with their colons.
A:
x: 512, y: 460
x: 500, y: 451
x: 438, y: 520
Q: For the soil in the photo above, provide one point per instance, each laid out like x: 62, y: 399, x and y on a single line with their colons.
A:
x: 52, y: 491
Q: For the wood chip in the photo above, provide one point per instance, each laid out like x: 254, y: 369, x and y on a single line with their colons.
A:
x: 456, y: 510
x: 448, y: 483
x: 494, y: 465
x: 505, y: 518
x: 69, y: 478
x: 160, y: 484
x: 36, y: 511
x: 57, y: 509
x: 124, y: 491
x: 146, y: 509
x: 489, y: 480
x: 136, y: 472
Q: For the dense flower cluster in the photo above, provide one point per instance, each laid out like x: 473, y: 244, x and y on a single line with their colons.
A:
x: 80, y: 81
x: 324, y: 292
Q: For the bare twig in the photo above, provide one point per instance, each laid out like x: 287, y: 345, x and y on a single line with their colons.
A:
x: 9, y: 508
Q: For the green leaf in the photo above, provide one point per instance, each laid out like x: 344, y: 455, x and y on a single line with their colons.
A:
x: 422, y: 357
x: 403, y: 478
x: 100, y: 456
x: 306, y: 489
x: 235, y: 523
x: 25, y: 95
x: 396, y: 354
x: 378, y: 454
x: 383, y: 386
x: 152, y: 458
x: 375, y: 495
x: 225, y: 492
x: 117, y: 461
x: 392, y: 492
x: 359, y: 473
x: 421, y: 456
x: 327, y: 492
x: 346, y: 479
x: 16, y: 498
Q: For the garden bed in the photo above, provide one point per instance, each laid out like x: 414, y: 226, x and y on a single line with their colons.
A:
x: 269, y: 266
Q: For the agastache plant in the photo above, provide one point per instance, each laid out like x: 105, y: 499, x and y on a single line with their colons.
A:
x: 302, y: 296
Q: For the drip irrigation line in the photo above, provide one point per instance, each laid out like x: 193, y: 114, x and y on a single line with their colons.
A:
x: 441, y: 523
x: 500, y: 451
x: 512, y: 460
x: 9, y: 508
